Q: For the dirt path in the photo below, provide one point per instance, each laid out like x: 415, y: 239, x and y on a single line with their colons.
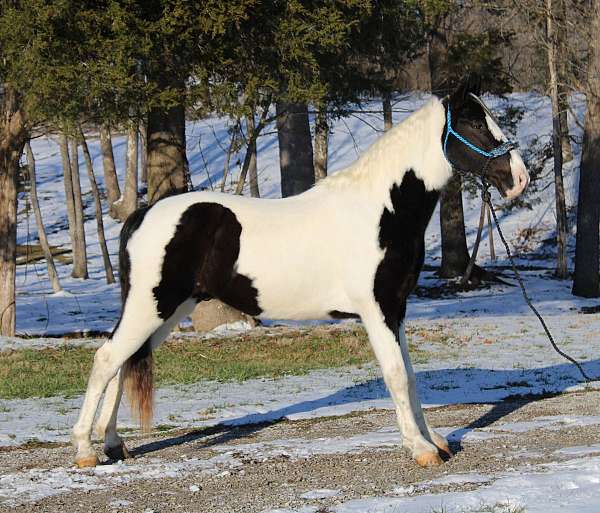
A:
x: 319, y: 462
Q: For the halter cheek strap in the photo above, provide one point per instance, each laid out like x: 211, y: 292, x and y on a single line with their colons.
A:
x: 496, y: 152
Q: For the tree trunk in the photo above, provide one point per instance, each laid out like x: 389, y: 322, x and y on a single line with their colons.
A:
x: 251, y: 137
x: 68, y: 183
x: 143, y: 152
x: 455, y: 256
x: 562, y: 36
x: 110, y: 278
x: 321, y: 143
x: 437, y: 57
x: 561, y: 210
x: 253, y: 167
x: 12, y: 139
x: 295, y: 148
x: 232, y: 144
x: 111, y: 181
x: 587, y: 254
x: 80, y: 269
x: 167, y: 162
x: 128, y: 201
x: 567, y: 151
x: 387, y: 111
x: 52, y: 274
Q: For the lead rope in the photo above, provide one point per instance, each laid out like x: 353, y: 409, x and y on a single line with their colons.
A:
x: 486, y: 197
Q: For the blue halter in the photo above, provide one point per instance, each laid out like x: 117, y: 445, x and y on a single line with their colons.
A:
x: 496, y: 152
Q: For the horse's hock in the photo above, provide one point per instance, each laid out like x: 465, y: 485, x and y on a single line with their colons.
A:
x: 208, y: 315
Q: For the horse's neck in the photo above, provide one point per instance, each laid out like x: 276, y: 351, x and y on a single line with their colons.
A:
x: 413, y: 145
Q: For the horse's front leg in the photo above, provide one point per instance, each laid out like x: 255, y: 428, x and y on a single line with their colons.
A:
x: 393, y: 358
x: 436, y: 438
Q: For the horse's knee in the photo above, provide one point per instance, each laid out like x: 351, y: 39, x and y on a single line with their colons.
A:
x: 107, y: 362
x: 395, y: 376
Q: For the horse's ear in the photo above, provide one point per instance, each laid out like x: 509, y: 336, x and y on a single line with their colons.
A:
x: 470, y: 84
x: 473, y: 83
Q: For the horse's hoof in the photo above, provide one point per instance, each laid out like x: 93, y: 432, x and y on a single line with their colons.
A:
x: 117, y: 453
x: 87, y: 461
x: 445, y: 449
x: 429, y: 459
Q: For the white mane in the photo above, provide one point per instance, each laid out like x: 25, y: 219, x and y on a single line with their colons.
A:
x: 413, y: 144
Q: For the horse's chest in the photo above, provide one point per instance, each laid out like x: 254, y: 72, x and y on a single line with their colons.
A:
x: 401, y: 237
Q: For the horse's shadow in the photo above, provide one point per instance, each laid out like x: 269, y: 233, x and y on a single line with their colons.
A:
x: 508, y: 390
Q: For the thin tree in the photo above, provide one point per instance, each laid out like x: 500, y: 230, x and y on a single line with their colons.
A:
x: 128, y: 201
x: 143, y: 150
x: 253, y: 167
x: 387, y: 111
x: 80, y: 269
x: 111, y: 181
x: 321, y: 143
x: 233, y: 142
x: 250, y: 158
x: 68, y: 184
x: 559, y: 189
x: 110, y: 278
x: 52, y: 274
x: 562, y: 35
x: 587, y: 252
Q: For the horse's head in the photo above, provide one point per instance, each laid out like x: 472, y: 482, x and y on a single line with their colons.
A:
x: 473, y: 142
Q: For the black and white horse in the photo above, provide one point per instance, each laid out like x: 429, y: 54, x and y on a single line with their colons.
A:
x: 353, y: 245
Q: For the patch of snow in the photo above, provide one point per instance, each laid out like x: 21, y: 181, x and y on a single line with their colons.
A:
x: 323, y: 493
x: 551, y: 422
x: 36, y: 483
x: 579, y: 450
x: 549, y: 488
x: 303, y: 509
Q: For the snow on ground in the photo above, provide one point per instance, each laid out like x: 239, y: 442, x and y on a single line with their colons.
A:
x: 532, y: 487
x: 35, y: 484
x: 550, y: 488
x: 486, y: 359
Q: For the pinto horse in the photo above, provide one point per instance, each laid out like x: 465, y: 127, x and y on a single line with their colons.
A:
x: 353, y: 245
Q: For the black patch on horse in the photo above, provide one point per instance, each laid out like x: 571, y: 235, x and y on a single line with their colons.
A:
x: 200, y: 262
x: 401, y: 235
x: 131, y: 224
x: 336, y: 314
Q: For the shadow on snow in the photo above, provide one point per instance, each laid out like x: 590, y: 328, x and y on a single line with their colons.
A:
x: 508, y: 389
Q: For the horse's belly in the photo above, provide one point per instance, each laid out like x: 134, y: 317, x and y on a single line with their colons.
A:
x: 298, y: 292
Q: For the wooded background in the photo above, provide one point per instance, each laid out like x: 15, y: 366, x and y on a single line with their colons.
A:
x: 75, y: 68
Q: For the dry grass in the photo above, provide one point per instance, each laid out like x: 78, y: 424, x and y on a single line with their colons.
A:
x: 64, y: 370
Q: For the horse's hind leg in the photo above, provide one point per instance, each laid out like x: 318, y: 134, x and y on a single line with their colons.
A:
x: 127, y: 339
x: 106, y: 426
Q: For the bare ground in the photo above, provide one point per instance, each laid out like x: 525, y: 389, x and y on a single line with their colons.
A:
x: 278, y: 481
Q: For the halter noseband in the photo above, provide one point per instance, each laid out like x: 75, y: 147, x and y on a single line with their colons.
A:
x: 496, y: 152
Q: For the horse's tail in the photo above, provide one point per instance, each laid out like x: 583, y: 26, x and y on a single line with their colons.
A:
x: 138, y: 376
x: 138, y: 380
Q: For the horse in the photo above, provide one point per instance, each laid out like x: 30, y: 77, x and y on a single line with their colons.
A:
x: 351, y: 246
